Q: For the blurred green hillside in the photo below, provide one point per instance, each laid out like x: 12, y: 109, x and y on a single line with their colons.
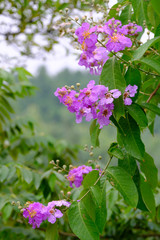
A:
x: 54, y: 119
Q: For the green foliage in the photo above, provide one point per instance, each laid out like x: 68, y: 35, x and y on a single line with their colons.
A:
x: 123, y: 182
x: 81, y: 223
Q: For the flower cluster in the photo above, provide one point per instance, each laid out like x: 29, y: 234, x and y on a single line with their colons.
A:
x: 93, y: 102
x: 113, y: 37
x: 37, y: 212
x: 76, y: 175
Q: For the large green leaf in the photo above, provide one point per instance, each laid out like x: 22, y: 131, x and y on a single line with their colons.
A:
x: 138, y: 114
x: 126, y: 14
x: 118, y: 108
x: 99, y: 196
x: 151, y: 107
x: 52, y: 232
x: 128, y: 164
x: 150, y: 170
x: 81, y: 223
x: 94, y: 133
x: 140, y: 10
x: 27, y: 175
x: 151, y: 63
x: 156, y: 6
x: 139, y: 52
x: 90, y: 179
x: 136, y: 178
x: 4, y: 171
x: 111, y: 75
x: 123, y: 182
x: 131, y: 137
x: 147, y: 196
x: 133, y: 77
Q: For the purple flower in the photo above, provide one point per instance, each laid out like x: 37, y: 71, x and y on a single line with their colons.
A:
x: 94, y: 60
x: 131, y: 29
x: 37, y: 212
x: 105, y: 111
x: 112, y: 26
x: 59, y: 203
x: 118, y: 42
x: 86, y: 36
x: 34, y: 213
x: 109, y: 96
x: 75, y: 175
x: 130, y: 91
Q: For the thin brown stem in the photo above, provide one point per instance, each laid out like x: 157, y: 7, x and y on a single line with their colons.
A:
x: 153, y: 93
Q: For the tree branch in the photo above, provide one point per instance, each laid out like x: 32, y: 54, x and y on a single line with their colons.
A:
x: 153, y: 93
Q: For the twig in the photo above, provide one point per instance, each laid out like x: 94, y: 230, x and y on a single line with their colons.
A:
x: 67, y: 234
x: 153, y: 93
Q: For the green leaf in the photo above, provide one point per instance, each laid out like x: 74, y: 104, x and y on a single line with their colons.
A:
x: 7, y: 211
x: 151, y: 107
x: 139, y: 52
x: 81, y: 223
x: 52, y: 181
x: 136, y: 178
x: 4, y: 112
x: 94, y: 133
x: 112, y: 199
x: 151, y: 63
x: 27, y: 175
x: 4, y: 171
x: 116, y: 152
x: 156, y: 6
x: 150, y: 170
x: 128, y: 164
x: 123, y: 182
x: 131, y: 137
x: 140, y: 10
x: 37, y: 180
x: 126, y: 14
x: 111, y: 75
x: 138, y: 114
x: 118, y: 108
x: 52, y: 232
x: 147, y: 196
x: 99, y: 196
x: 90, y: 179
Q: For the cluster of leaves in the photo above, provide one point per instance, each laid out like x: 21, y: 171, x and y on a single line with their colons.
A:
x: 25, y: 154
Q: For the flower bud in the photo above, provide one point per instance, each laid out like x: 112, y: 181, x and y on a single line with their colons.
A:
x: 64, y: 166
x: 90, y: 161
x: 78, y: 84
x: 76, y: 18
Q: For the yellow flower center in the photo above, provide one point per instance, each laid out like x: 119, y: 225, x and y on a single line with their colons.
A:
x: 86, y: 34
x: 32, y: 213
x: 68, y: 101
